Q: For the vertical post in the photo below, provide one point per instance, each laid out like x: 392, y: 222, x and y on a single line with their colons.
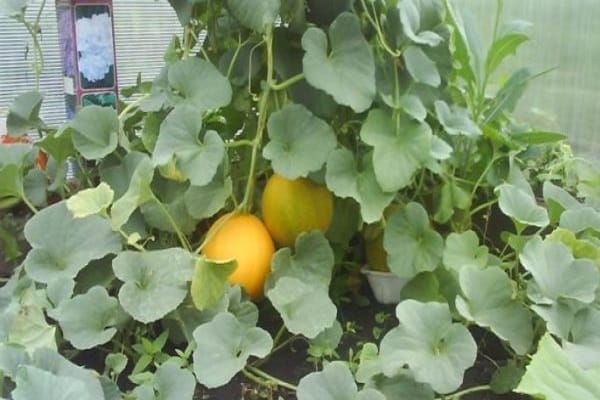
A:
x: 86, y: 35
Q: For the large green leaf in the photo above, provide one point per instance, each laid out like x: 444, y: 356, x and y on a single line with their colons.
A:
x: 35, y: 383
x: 70, y: 246
x: 175, y: 205
x: 11, y: 182
x: 197, y: 159
x: 172, y: 382
x: 583, y: 344
x: 421, y: 67
x: 223, y: 347
x: 95, y: 131
x: 23, y: 322
x: 558, y: 200
x: 91, y: 201
x: 410, y: 17
x: 12, y: 357
x: 347, y: 72
x: 209, y: 282
x: 463, y: 250
x: 300, y: 142
x: 138, y: 192
x: 559, y: 316
x: 456, y: 121
x: 23, y: 114
x: 465, y: 45
x: 200, y: 83
x: 255, y: 14
x: 557, y: 274
x: 205, y: 201
x: 334, y: 382
x: 521, y: 205
x: 435, y: 349
x: 400, y: 148
x: 347, y: 177
x: 402, y: 387
x: 412, y: 245
x: 553, y: 376
x: 88, y: 320
x: 298, y: 286
x: 35, y: 187
x: 489, y: 300
x: 56, y: 366
x: 580, y: 219
x: 451, y: 196
x: 155, y: 282
x: 512, y: 37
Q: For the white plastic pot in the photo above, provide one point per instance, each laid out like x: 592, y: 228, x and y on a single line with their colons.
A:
x: 386, y: 286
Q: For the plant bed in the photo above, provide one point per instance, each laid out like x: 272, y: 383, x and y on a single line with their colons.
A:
x: 211, y: 240
x: 366, y: 323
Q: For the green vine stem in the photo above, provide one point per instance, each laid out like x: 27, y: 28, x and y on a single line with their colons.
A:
x: 246, y: 204
x: 34, y: 30
x: 29, y: 204
x: 459, y: 394
x: 266, y: 379
x: 182, y: 238
x: 287, y: 83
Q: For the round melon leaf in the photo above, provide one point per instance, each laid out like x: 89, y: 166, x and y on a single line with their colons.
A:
x: 334, y: 382
x: 223, y: 348
x: 517, y: 203
x: 463, y: 250
x: 557, y: 274
x: 200, y: 83
x: 255, y: 14
x: 435, y: 349
x: 420, y: 67
x: 74, y: 242
x: 412, y: 245
x: 298, y: 286
x: 91, y: 201
x: 179, y: 138
x: 34, y: 383
x: 489, y: 301
x: 173, y: 382
x: 95, y: 131
x: 138, y: 192
x: 155, y: 282
x: 88, y: 320
x: 300, y: 142
x: 210, y: 282
x: 347, y: 72
x: 399, y: 148
x: 348, y: 178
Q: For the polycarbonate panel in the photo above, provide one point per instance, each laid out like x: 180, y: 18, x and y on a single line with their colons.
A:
x: 143, y: 30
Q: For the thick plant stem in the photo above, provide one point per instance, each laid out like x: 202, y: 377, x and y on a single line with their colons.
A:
x: 269, y: 379
x: 246, y: 204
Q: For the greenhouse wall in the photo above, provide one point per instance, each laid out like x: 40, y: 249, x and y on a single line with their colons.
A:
x: 566, y: 40
x: 143, y: 30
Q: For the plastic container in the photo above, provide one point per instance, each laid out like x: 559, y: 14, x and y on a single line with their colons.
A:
x: 386, y: 286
